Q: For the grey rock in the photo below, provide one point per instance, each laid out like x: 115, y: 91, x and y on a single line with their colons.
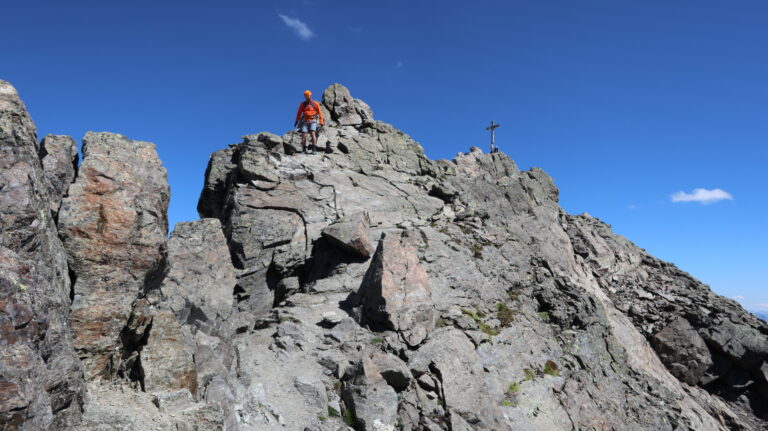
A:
x: 394, y: 371
x: 683, y: 351
x: 200, y: 277
x: 345, y: 110
x: 351, y: 234
x: 313, y: 392
x: 58, y: 154
x: 371, y: 402
x: 167, y: 359
x: 546, y: 321
x: 42, y: 380
x: 331, y: 318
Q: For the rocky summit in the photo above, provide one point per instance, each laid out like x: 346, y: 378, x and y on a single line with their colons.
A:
x: 366, y: 287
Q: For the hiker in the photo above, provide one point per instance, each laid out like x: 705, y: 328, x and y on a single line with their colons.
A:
x: 308, y: 116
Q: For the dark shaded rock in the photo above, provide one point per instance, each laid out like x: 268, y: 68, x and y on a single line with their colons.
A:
x: 217, y: 177
x: 58, y: 154
x: 747, y: 346
x: 41, y: 381
x: 114, y: 226
x: 683, y: 351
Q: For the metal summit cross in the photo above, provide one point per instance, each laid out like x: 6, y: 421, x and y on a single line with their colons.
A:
x: 493, y: 136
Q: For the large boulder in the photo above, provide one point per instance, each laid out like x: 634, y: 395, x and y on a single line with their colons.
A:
x: 683, y: 351
x: 369, y: 397
x: 344, y: 109
x: 41, y: 381
x: 114, y: 226
x: 351, y: 234
x: 201, y: 279
x: 395, y: 291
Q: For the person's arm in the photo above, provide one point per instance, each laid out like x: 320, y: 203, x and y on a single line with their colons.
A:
x: 298, y: 115
x: 320, y: 113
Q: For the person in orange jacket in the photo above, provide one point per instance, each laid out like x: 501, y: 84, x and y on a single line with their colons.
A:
x: 309, y: 115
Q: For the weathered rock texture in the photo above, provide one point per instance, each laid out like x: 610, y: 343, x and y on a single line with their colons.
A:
x: 114, y: 226
x: 58, y: 153
x: 41, y: 381
x: 365, y: 287
x: 395, y: 291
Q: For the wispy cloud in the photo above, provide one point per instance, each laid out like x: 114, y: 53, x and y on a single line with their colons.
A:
x: 399, y: 64
x: 760, y: 307
x: 702, y: 196
x: 298, y: 26
x: 738, y: 297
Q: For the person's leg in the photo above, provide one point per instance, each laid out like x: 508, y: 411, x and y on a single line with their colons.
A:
x: 304, y: 137
x: 313, y: 130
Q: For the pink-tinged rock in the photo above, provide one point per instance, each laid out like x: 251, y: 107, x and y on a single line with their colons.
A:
x: 114, y: 226
x: 395, y: 291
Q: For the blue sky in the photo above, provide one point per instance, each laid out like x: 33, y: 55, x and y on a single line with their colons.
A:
x: 623, y: 103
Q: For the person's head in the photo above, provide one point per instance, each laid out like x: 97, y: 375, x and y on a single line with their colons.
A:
x: 308, y: 95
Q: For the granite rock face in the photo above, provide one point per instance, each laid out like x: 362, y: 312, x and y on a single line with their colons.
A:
x: 41, y: 379
x: 364, y: 288
x: 113, y: 224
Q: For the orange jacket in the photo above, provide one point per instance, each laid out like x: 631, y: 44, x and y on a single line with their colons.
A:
x: 309, y: 111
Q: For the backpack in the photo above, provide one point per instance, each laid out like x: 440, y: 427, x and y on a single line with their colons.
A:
x: 317, y: 108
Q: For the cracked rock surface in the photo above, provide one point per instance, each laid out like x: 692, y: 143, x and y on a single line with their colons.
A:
x: 365, y: 287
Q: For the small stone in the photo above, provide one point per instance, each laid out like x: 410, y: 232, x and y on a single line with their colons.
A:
x: 331, y: 318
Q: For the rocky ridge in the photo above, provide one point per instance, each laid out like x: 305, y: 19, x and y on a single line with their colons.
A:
x: 365, y: 287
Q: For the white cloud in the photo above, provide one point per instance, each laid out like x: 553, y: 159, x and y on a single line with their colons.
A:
x: 702, y: 196
x: 738, y: 297
x: 399, y: 65
x: 299, y: 27
x: 760, y: 307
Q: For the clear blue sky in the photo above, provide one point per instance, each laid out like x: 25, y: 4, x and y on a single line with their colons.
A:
x: 624, y: 103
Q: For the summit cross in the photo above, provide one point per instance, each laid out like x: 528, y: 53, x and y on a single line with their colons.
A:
x: 492, y: 128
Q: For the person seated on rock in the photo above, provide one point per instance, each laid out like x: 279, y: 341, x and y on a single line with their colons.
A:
x: 308, y: 116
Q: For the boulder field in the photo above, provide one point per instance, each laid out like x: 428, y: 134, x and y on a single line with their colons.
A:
x: 366, y: 287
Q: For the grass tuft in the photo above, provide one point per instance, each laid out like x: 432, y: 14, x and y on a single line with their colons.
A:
x: 550, y: 368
